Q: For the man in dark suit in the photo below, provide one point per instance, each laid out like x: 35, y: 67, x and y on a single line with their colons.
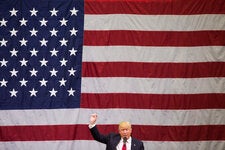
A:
x: 116, y: 141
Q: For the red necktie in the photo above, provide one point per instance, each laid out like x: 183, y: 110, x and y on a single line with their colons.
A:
x: 124, y: 147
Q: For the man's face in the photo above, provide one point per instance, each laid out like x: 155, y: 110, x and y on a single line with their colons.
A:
x: 125, y: 129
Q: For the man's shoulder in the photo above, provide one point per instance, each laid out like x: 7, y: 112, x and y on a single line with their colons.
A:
x: 114, y: 135
x: 136, y: 141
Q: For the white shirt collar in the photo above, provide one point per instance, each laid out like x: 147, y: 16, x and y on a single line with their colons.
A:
x: 128, y: 144
x: 128, y: 140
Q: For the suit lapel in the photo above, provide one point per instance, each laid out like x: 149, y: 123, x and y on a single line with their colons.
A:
x: 133, y: 145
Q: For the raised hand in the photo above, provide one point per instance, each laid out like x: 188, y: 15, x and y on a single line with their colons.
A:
x: 93, y: 119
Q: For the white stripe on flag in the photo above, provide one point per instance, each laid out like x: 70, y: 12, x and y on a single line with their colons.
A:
x: 135, y: 116
x: 153, y: 54
x: 85, y: 145
x: 154, y: 22
x: 153, y: 85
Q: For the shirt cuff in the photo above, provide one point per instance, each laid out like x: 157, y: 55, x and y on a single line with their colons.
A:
x: 91, y: 126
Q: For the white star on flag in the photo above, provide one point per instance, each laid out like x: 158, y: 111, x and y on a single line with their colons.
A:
x: 71, y: 92
x: 3, y: 42
x: 63, y: 62
x: 33, y: 32
x: 53, y: 72
x: 43, y: 22
x: 23, y: 42
x: 43, y: 82
x: 33, y: 12
x: 34, y: 52
x: 23, y: 62
x: 13, y: 12
x: 13, y: 72
x: 63, y: 42
x: 73, y: 11
x: 43, y: 42
x: 3, y: 82
x: 62, y: 82
x: 43, y: 62
x: 72, y: 72
x: 23, y: 22
x: 33, y: 72
x: 3, y: 22
x: 23, y: 82
x: 13, y: 93
x: 13, y: 52
x: 53, y: 12
x: 63, y: 22
x: 53, y: 92
x: 3, y: 62
x: 13, y: 32
x: 54, y: 52
x: 53, y: 32
x: 73, y: 32
x: 73, y: 52
x: 33, y: 92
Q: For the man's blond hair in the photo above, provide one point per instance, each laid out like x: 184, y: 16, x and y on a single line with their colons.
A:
x: 125, y: 123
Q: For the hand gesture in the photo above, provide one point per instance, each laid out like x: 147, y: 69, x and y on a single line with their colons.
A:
x: 93, y: 119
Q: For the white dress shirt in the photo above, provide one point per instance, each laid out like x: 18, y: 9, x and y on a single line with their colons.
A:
x: 120, y: 145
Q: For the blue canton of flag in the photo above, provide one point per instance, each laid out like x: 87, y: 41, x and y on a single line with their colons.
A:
x: 41, y: 54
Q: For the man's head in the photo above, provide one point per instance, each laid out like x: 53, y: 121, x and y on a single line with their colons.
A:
x: 125, y: 129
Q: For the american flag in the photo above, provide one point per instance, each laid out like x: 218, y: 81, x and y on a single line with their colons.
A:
x: 159, y: 64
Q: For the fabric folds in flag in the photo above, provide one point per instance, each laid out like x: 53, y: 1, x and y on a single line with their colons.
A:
x: 158, y: 64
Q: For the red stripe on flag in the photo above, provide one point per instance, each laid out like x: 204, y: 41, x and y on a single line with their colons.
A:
x: 154, y: 38
x: 181, y: 133
x: 173, y: 133
x: 153, y: 101
x: 143, y: 132
x: 153, y: 70
x: 44, y: 132
x: 154, y: 7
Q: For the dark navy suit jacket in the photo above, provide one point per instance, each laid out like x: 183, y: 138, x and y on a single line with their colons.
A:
x: 112, y: 140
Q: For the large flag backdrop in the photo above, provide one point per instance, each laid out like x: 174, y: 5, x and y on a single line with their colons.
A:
x: 159, y: 64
